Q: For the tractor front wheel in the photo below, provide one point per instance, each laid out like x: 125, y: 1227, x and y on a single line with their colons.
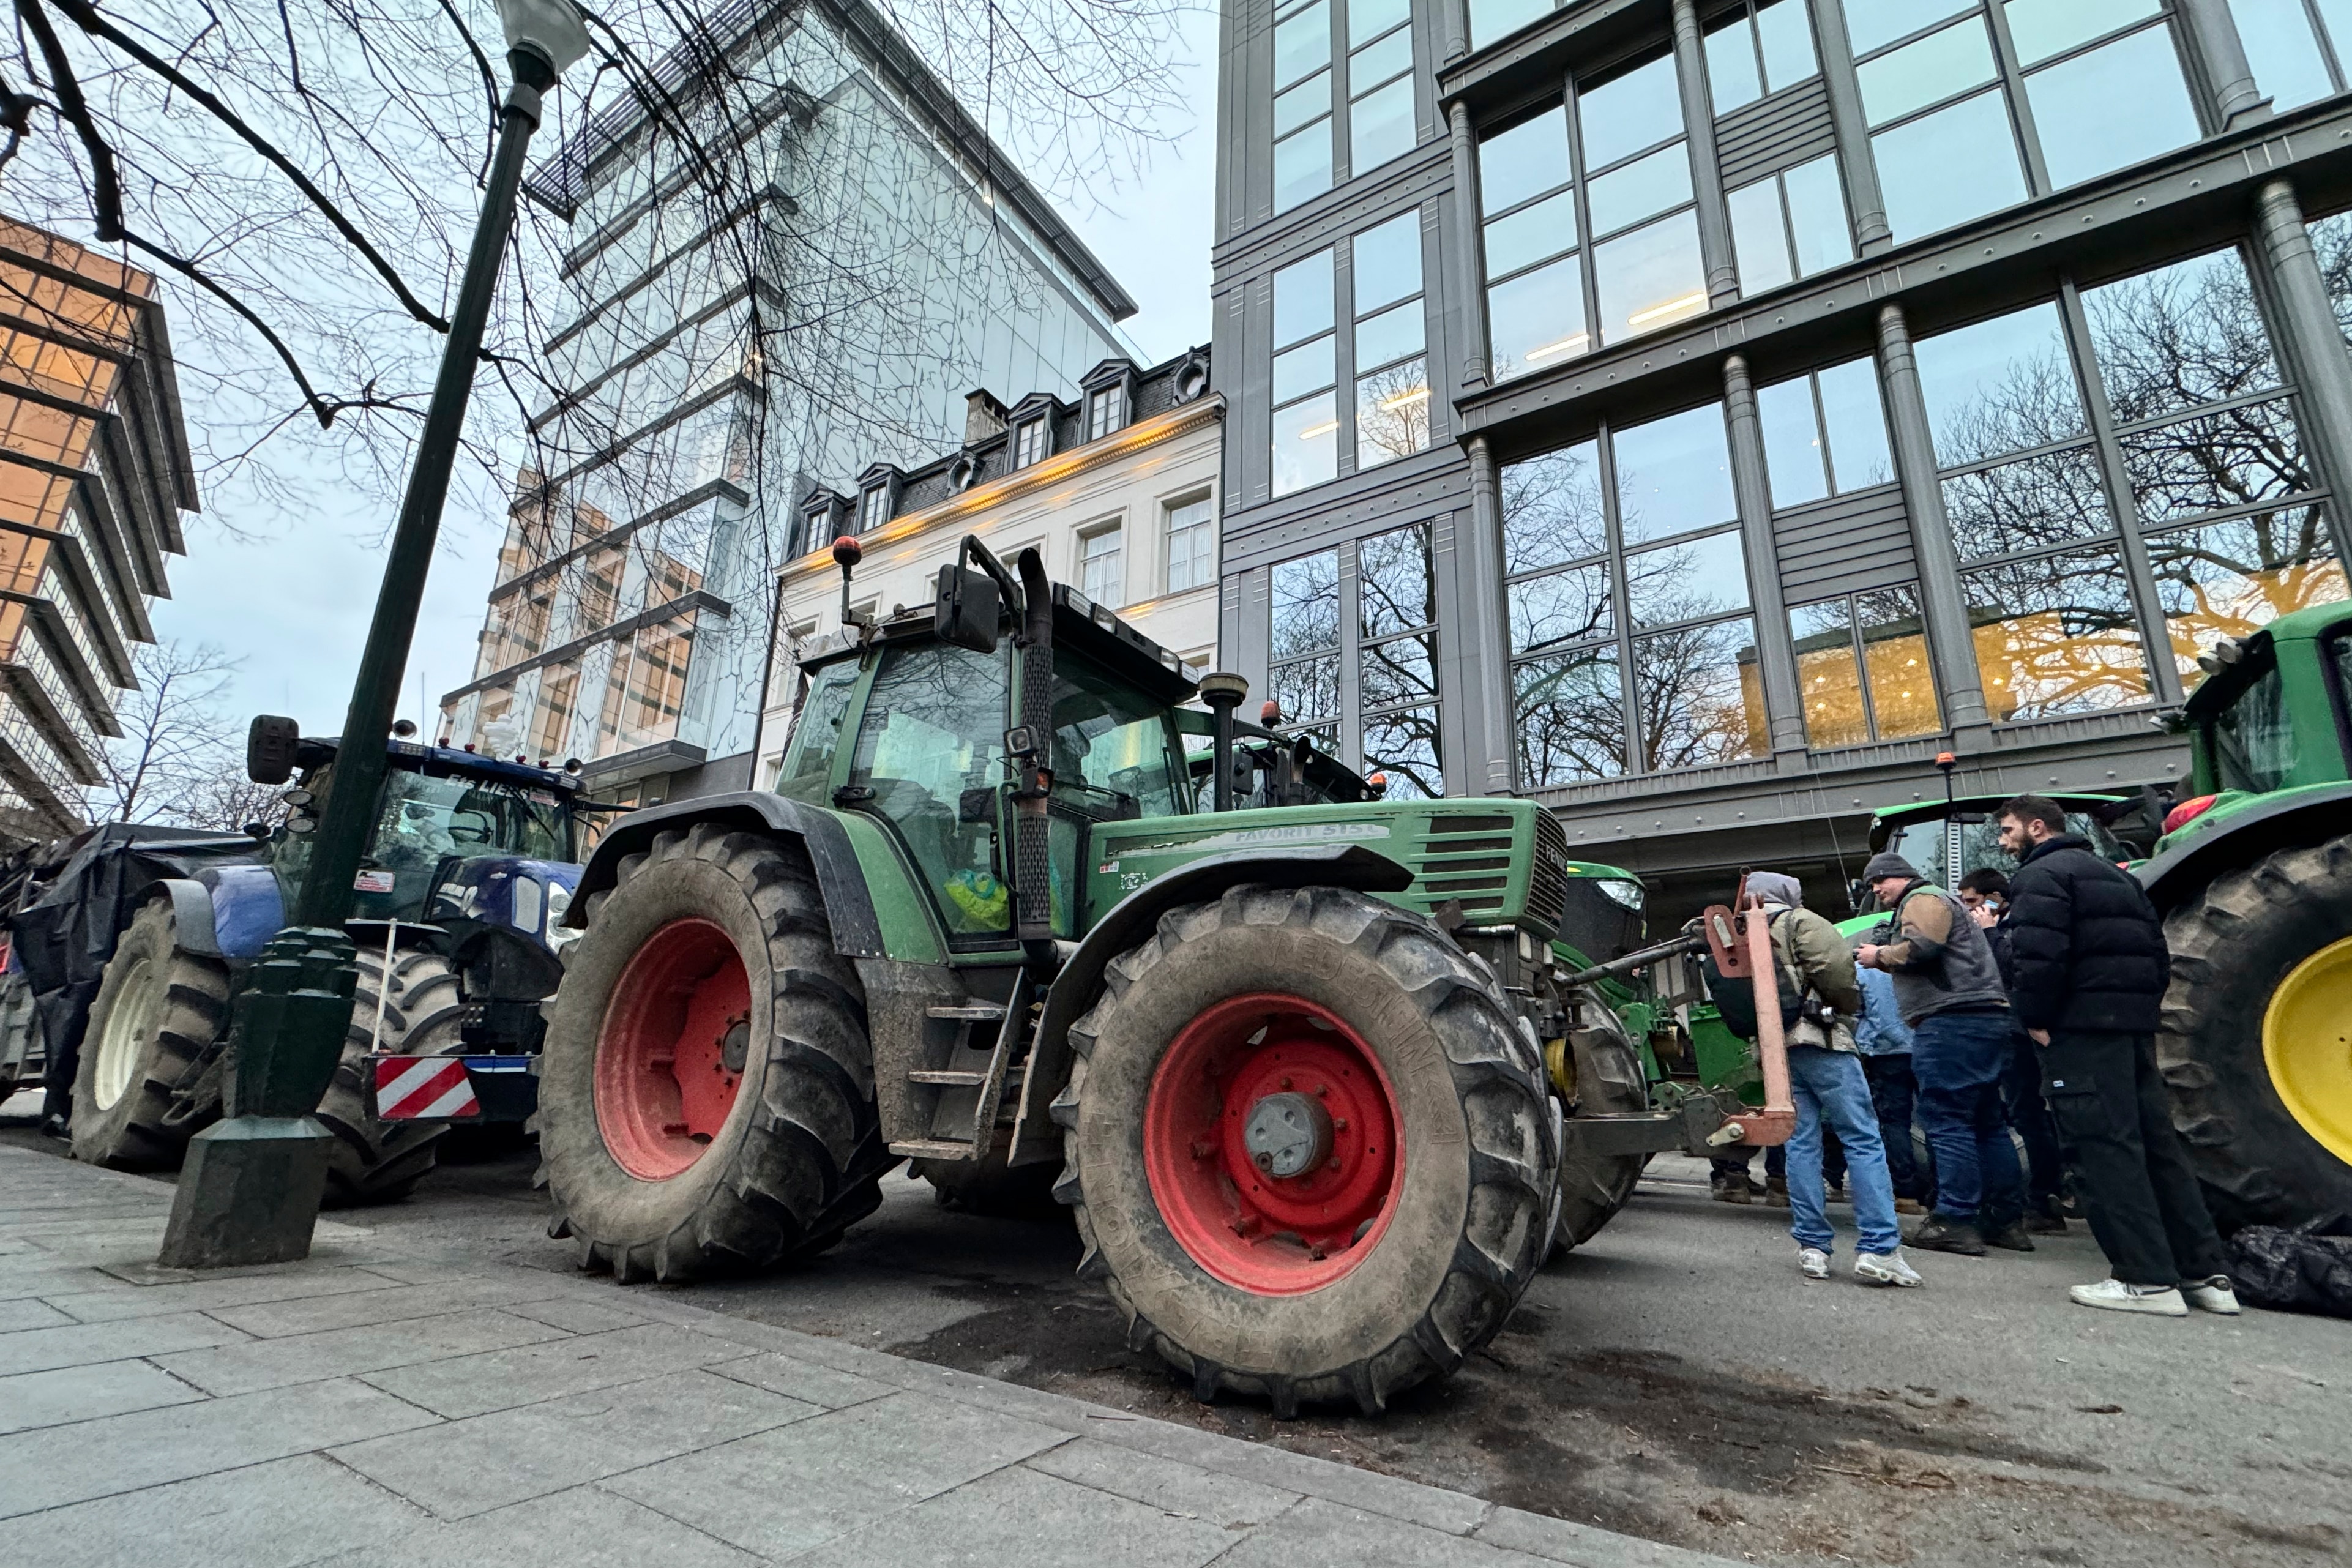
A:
x: 705, y: 1096
x: 1605, y: 1079
x: 411, y: 1010
x: 157, y: 1012
x: 2255, y: 1041
x: 1309, y: 1145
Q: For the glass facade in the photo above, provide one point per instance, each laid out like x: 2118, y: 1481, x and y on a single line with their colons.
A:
x: 1372, y: 76
x: 1392, y: 364
x: 1641, y: 517
x: 1396, y: 632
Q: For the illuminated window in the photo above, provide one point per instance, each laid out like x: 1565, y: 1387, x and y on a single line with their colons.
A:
x: 1863, y: 669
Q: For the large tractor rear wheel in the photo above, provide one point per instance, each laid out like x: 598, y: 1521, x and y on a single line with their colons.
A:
x: 1309, y: 1147
x: 373, y: 1160
x: 2256, y: 1037
x: 1604, y: 1078
x: 706, y: 1098
x: 157, y: 1010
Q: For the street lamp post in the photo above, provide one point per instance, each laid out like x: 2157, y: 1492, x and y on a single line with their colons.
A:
x: 249, y: 1191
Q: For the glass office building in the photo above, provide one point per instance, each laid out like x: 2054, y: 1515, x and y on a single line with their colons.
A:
x: 721, y: 359
x: 1799, y: 389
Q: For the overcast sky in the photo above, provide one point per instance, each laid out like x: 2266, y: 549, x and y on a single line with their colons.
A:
x: 293, y: 608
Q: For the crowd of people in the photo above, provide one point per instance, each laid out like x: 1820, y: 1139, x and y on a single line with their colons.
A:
x: 2023, y: 1003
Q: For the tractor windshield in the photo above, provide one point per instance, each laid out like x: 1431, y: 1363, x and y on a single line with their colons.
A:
x: 427, y: 822
x: 1112, y: 743
x: 2252, y: 741
x: 1925, y: 846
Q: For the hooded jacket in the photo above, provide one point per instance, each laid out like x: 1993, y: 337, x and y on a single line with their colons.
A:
x: 2086, y: 946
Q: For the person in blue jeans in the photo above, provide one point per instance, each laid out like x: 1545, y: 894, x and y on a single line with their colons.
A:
x: 1826, y: 1080
x: 1884, y: 1042
x: 1949, y: 988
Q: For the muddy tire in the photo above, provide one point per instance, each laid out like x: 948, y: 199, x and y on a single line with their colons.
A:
x: 157, y: 1011
x: 706, y: 1098
x: 372, y: 1161
x: 2231, y: 1036
x: 1608, y: 1081
x: 1351, y: 1267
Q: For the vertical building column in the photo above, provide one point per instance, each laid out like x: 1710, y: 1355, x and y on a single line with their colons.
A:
x: 1488, y: 690
x: 1835, y: 51
x: 2312, y: 341
x: 1776, y: 648
x: 1470, y: 292
x: 1454, y: 19
x: 2221, y: 57
x: 1948, y: 638
x: 1707, y: 170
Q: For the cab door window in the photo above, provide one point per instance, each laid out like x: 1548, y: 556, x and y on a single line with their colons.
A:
x: 931, y: 751
x: 816, y: 736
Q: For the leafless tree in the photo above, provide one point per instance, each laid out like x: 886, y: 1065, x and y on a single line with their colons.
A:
x: 177, y: 743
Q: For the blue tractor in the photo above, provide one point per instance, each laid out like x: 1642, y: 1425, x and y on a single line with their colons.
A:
x: 457, y: 914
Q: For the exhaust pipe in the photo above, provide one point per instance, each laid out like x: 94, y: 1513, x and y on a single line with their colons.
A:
x: 1222, y: 692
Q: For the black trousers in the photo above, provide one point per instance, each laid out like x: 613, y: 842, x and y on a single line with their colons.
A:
x: 2020, y: 1094
x: 2146, y: 1212
x: 1894, y: 1090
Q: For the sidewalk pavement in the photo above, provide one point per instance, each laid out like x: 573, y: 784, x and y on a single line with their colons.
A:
x: 377, y: 1407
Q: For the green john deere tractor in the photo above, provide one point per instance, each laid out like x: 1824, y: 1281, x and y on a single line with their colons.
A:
x: 2254, y: 877
x: 1278, y: 1041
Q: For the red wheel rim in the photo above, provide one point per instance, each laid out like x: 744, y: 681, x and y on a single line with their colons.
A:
x: 1269, y: 1235
x: 665, y: 1080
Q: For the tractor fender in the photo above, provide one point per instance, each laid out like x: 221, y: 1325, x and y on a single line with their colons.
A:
x: 191, y: 914
x: 856, y: 931
x: 2310, y: 815
x: 228, y: 912
x: 1128, y: 922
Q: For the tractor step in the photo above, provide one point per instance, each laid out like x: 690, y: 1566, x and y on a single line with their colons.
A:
x: 936, y: 1149
x: 980, y: 1012
x: 952, y: 1077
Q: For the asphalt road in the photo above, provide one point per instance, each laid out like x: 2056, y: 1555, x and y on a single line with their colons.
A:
x: 1673, y: 1379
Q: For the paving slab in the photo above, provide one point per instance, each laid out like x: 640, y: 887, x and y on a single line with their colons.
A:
x: 30, y: 1313
x: 32, y: 1399
x: 579, y: 1317
x: 54, y: 1466
x: 37, y: 1350
x: 495, y: 1380
x: 117, y: 1300
x: 470, y: 1466
x: 1022, y: 1516
x: 795, y: 1489
x: 1319, y: 1531
x: 390, y: 1303
x: 341, y: 1352
x: 567, y: 1530
x: 812, y: 1381
x: 274, y: 1515
x: 1186, y: 1491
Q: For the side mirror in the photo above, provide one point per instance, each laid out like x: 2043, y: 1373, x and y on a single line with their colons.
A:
x: 270, y: 747
x: 257, y: 831
x: 1860, y: 898
x: 965, y: 613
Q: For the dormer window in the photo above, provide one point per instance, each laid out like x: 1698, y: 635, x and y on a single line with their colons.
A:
x: 1029, y: 442
x: 873, y: 508
x: 1105, y: 410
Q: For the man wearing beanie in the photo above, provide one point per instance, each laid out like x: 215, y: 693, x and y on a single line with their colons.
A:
x: 1948, y: 990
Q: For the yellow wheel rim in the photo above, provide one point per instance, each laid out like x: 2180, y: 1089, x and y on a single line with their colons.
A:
x: 2307, y: 1045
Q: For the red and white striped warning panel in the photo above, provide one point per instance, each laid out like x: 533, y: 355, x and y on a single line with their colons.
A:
x: 419, y: 1089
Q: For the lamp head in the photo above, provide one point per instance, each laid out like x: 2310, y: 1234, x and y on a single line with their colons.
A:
x: 550, y: 29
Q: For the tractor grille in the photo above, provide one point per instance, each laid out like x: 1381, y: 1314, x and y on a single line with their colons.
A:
x: 1547, y: 878
x: 1468, y: 858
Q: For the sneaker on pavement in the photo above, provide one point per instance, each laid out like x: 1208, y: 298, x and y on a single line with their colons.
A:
x: 2163, y: 1300
x: 2010, y: 1238
x: 2214, y: 1295
x: 1957, y: 1236
x: 1812, y: 1263
x: 1909, y: 1206
x: 1885, y: 1269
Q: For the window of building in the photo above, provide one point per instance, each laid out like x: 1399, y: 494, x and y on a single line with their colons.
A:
x: 1396, y: 609
x: 1626, y: 587
x: 1375, y: 80
x: 2284, y: 44
x: 1492, y: 19
x: 2201, y: 431
x: 1862, y: 670
x: 551, y: 725
x: 1105, y: 410
x: 2103, y: 82
x: 1102, y: 570
x: 1030, y: 442
x: 646, y: 689
x: 2332, y: 238
x: 1789, y: 224
x: 873, y: 508
x: 1535, y: 291
x: 1302, y: 102
x: 1391, y: 367
x: 1306, y: 372
x: 1304, y: 680
x: 1191, y: 544
x: 1758, y: 48
x: 1824, y: 434
x: 1379, y: 83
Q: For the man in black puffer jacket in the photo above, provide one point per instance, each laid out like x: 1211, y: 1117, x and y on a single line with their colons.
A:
x: 2090, y: 972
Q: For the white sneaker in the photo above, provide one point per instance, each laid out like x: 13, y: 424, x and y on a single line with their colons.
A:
x: 1812, y: 1263
x: 2117, y: 1297
x: 2214, y: 1295
x: 1885, y: 1269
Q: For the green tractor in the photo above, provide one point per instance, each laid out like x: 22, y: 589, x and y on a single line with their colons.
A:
x: 1279, y: 1042
x: 2254, y: 877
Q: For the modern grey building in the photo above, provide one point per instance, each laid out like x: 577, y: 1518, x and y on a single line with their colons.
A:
x: 718, y: 353
x: 1698, y: 415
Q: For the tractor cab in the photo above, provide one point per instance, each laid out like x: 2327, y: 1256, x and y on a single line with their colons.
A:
x: 1945, y: 840
x: 2271, y: 721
